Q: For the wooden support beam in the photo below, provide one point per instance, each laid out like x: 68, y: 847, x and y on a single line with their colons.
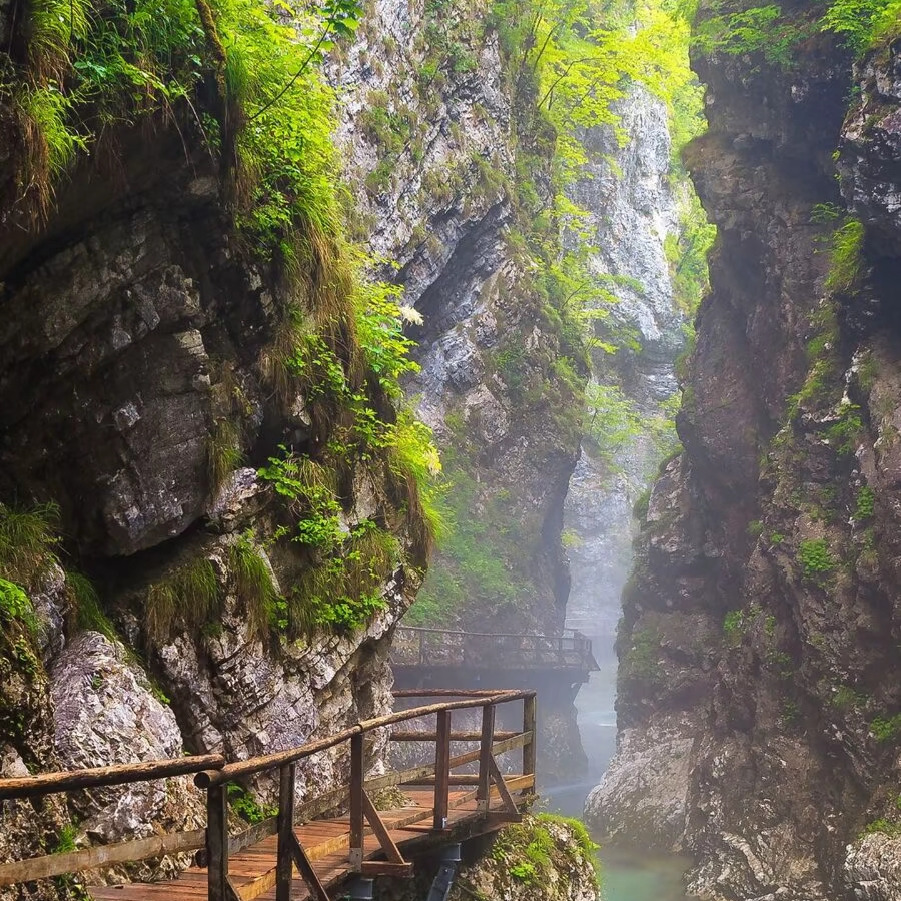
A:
x: 217, y: 843
x: 442, y: 769
x: 530, y: 728
x: 386, y: 843
x: 371, y: 868
x: 285, y: 849
x: 355, y: 855
x: 485, y: 755
x: 307, y: 873
x: 498, y: 778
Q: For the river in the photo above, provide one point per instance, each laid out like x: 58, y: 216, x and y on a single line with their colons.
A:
x: 627, y: 875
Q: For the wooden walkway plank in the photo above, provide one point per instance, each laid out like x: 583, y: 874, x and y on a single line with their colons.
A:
x: 325, y: 845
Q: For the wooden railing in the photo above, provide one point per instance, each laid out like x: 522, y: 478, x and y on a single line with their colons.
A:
x: 495, y: 651
x: 212, y: 774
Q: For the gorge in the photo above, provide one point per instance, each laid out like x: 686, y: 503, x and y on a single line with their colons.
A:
x: 319, y: 319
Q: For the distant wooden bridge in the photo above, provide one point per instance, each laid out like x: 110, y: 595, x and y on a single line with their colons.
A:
x: 294, y: 855
x: 450, y: 657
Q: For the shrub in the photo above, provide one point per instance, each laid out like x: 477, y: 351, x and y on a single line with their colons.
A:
x: 846, y: 257
x: 815, y: 557
x: 865, y: 503
x: 886, y: 729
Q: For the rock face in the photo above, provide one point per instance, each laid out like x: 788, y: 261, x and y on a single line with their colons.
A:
x: 759, y: 632
x: 542, y: 859
x: 633, y: 207
x: 136, y: 377
x: 438, y: 204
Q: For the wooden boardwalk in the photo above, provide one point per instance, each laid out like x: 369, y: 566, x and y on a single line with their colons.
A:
x: 326, y: 843
x: 293, y: 855
x: 448, y: 655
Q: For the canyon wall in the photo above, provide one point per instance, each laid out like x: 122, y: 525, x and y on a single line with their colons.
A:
x: 758, y: 692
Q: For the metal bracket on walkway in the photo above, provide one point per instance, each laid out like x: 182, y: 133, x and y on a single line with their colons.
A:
x: 447, y: 871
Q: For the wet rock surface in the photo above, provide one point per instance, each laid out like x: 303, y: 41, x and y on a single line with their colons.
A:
x: 761, y: 615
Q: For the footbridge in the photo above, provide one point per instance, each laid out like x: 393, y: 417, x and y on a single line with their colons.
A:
x: 330, y: 843
x: 424, y: 657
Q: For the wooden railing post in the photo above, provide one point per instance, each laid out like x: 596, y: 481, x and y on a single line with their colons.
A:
x: 421, y: 651
x: 217, y: 843
x: 285, y: 826
x: 483, y: 796
x: 442, y: 769
x: 529, y: 724
x: 355, y: 856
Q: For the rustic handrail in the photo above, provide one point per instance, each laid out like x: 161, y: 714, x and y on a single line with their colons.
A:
x: 429, y: 647
x: 119, y: 774
x: 212, y: 773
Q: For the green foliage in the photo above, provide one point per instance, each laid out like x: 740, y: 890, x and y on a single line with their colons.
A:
x: 815, y: 557
x: 865, y: 504
x: 844, y: 433
x: 65, y: 840
x: 246, y: 806
x: 89, y: 615
x: 846, y: 257
x: 863, y: 23
x: 755, y: 528
x: 27, y: 541
x: 188, y: 597
x: 254, y: 587
x: 886, y: 728
x: 686, y: 252
x: 760, y: 30
x: 343, y: 592
x: 15, y: 607
x: 737, y: 623
x: 613, y: 421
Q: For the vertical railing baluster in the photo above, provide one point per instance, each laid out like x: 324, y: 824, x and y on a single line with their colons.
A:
x: 216, y: 842
x: 529, y: 724
x: 483, y: 796
x: 442, y: 769
x: 284, y: 859
x: 355, y: 857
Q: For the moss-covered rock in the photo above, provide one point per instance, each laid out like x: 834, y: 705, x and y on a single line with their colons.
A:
x: 544, y: 858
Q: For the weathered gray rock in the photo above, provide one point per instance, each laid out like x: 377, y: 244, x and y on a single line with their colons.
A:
x: 644, y: 795
x: 106, y: 712
x: 873, y: 867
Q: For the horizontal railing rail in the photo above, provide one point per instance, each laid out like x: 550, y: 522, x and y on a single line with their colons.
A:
x: 427, y: 647
x: 212, y: 774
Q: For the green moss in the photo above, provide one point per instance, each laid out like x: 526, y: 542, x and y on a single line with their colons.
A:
x: 886, y: 728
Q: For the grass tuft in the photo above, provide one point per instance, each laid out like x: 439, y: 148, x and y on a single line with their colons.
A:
x: 188, y: 597
x: 255, y: 590
x: 27, y: 541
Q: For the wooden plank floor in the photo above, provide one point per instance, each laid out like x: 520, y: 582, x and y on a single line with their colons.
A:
x: 326, y: 843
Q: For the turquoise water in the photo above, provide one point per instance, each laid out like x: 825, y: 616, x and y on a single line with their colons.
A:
x: 627, y: 875
x: 637, y: 876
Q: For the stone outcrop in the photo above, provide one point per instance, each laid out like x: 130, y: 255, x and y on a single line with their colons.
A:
x: 760, y: 626
x: 543, y: 859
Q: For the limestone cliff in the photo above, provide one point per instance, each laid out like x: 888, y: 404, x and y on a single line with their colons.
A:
x: 211, y: 490
x: 758, y: 693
